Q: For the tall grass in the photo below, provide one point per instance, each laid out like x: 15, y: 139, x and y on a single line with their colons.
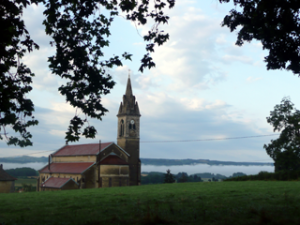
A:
x: 252, y: 202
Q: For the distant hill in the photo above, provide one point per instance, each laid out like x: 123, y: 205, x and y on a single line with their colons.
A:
x: 180, y: 162
x: 147, y: 161
x: 23, y: 159
x: 22, y: 172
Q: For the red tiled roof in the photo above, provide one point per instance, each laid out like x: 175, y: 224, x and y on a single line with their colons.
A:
x: 55, y: 182
x: 78, y: 167
x: 84, y: 149
x: 113, y: 160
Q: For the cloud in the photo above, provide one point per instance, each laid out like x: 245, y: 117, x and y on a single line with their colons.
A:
x: 171, y: 119
x: 253, y: 79
x: 33, y: 17
x: 236, y: 58
x: 138, y: 80
x: 190, y: 60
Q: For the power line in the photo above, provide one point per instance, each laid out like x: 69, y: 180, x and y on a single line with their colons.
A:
x: 211, y: 139
x: 196, y: 140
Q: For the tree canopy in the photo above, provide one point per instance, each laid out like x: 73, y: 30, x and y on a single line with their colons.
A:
x: 285, y: 151
x: 79, y: 32
x: 169, y: 178
x: 275, y: 23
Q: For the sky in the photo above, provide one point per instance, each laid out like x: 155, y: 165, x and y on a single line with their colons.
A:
x: 203, y: 87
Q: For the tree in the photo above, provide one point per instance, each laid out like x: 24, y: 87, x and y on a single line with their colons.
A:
x: 285, y: 151
x: 214, y: 179
x: 273, y: 22
x: 182, y: 177
x: 169, y: 178
x: 238, y: 174
x: 80, y: 30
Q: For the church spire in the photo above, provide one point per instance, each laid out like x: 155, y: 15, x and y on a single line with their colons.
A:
x: 129, y: 105
x: 128, y: 88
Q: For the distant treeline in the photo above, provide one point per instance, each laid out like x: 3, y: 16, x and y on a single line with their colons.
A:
x: 180, y: 162
x: 291, y: 175
x: 22, y: 172
x: 159, y: 178
x: 147, y: 161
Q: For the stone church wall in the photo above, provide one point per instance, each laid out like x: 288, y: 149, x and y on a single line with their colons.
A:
x: 84, y: 158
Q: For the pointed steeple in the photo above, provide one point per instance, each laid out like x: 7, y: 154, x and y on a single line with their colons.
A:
x: 129, y: 105
x: 128, y: 88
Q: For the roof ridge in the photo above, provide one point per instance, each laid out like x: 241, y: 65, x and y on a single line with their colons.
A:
x: 91, y: 143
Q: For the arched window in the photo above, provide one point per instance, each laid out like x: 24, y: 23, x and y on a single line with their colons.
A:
x: 132, y: 125
x: 122, y: 128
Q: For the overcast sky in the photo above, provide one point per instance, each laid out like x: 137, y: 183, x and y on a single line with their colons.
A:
x: 203, y: 87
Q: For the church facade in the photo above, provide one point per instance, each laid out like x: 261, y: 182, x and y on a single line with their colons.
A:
x: 99, y: 164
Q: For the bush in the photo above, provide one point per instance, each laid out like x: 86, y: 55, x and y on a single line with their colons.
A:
x: 263, y: 175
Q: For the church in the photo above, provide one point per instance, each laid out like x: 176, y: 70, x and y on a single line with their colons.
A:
x: 100, y: 164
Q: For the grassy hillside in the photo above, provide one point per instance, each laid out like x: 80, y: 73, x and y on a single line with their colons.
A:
x: 250, y: 202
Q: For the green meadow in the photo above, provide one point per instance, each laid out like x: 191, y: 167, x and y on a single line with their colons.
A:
x: 248, y: 202
x: 20, y: 181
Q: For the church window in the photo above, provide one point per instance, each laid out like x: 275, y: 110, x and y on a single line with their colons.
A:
x: 122, y: 128
x: 132, y: 125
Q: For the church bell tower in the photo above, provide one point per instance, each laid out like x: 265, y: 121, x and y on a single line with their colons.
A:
x: 129, y: 133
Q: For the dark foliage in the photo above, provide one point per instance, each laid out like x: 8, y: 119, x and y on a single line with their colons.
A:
x: 28, y: 188
x: 182, y: 177
x: 279, y: 176
x: 285, y: 150
x: 159, y: 178
x: 153, y: 178
x: 79, y: 32
x: 238, y: 174
x: 211, y: 175
x: 214, y: 179
x: 273, y: 22
x: 169, y: 178
x: 15, y: 78
x: 22, y: 172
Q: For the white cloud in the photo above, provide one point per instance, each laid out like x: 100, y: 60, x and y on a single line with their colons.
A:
x: 253, y: 79
x: 236, y: 58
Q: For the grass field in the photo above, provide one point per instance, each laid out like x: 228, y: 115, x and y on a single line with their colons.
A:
x: 250, y: 202
x: 20, y: 181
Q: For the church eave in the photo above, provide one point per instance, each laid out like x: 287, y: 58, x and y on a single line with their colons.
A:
x: 128, y: 114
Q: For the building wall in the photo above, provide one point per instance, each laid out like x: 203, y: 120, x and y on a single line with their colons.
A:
x: 114, y: 170
x: 70, y: 186
x: 90, y: 180
x: 7, y: 186
x: 132, y: 146
x: 115, y: 181
x: 114, y: 175
x: 114, y: 149
x: 84, y: 158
